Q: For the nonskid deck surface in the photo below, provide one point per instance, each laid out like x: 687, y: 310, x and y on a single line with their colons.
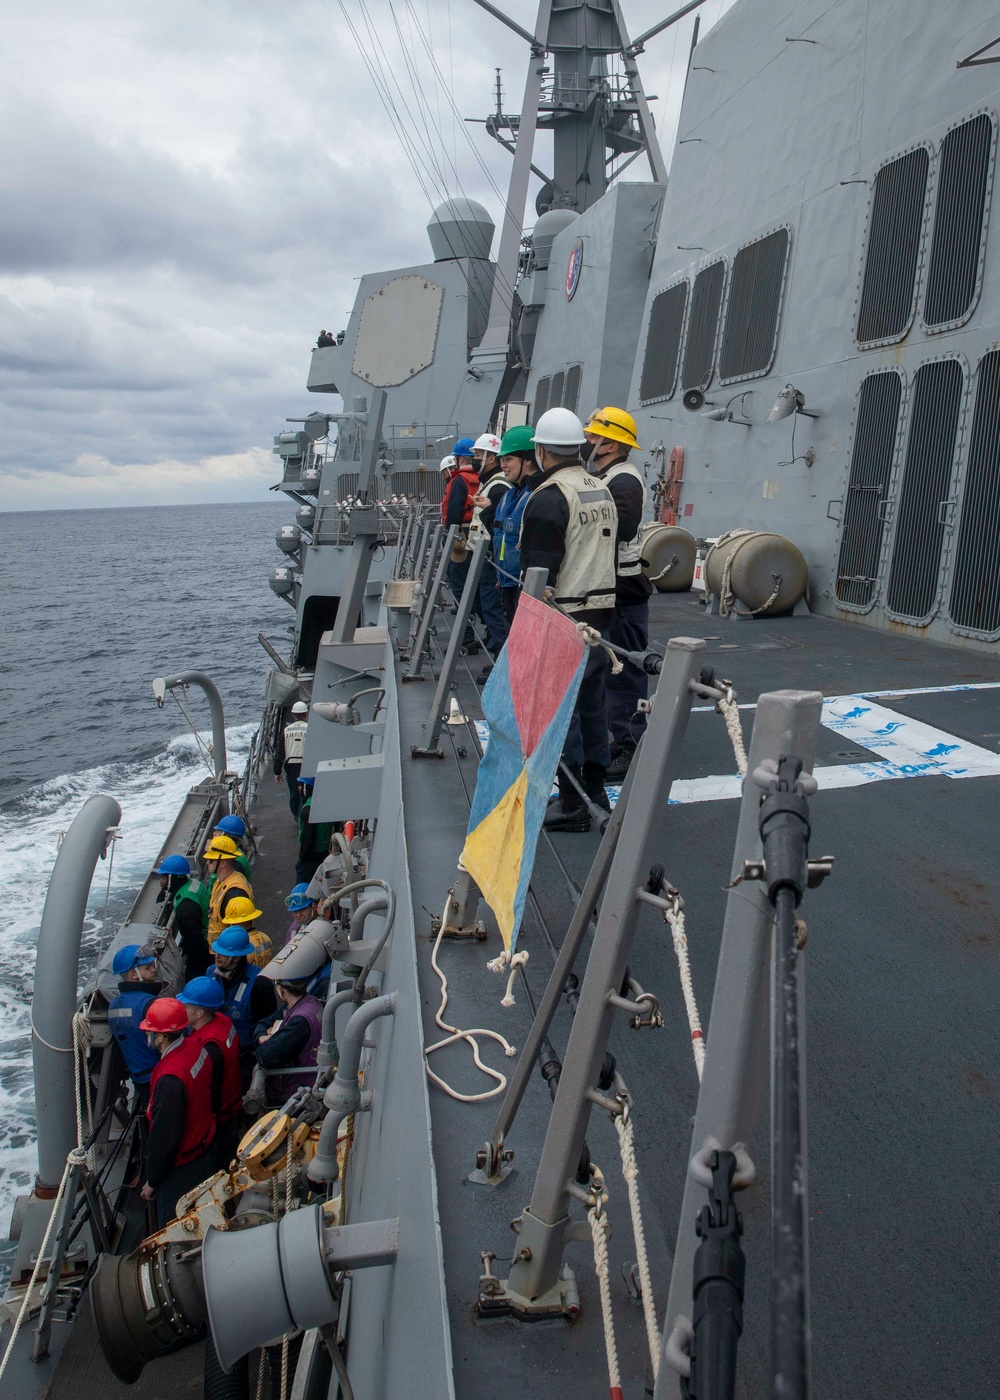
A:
x: 904, y: 1067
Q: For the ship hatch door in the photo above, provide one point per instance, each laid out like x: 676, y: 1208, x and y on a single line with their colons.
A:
x: 867, y: 488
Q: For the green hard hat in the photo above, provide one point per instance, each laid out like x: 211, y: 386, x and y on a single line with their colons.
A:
x: 519, y: 439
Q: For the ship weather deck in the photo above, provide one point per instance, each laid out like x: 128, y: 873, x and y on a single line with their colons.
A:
x: 904, y: 1066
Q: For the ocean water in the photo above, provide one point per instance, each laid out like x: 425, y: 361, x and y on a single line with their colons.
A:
x: 93, y: 605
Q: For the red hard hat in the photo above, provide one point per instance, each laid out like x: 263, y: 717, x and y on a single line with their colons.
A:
x: 165, y: 1014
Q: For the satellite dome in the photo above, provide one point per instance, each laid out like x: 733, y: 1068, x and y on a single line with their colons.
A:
x: 460, y: 228
x: 545, y: 232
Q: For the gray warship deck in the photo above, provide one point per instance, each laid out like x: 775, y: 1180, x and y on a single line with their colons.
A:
x: 903, y: 1057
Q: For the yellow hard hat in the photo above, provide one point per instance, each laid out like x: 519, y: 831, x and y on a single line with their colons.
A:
x: 221, y: 848
x: 613, y: 423
x: 240, y: 910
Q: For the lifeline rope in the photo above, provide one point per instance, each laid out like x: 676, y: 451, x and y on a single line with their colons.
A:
x: 513, y: 961
x: 72, y: 1159
x: 630, y: 1171
x: 288, y: 1205
x: 468, y: 1036
x: 729, y: 710
x: 82, y: 1033
x: 599, y: 1226
x: 204, y: 749
x: 114, y: 836
x: 675, y: 918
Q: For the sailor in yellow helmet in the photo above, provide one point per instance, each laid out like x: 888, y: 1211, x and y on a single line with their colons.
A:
x: 220, y: 857
x: 611, y: 436
x: 241, y: 913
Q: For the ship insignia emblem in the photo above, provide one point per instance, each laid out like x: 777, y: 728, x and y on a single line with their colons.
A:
x: 573, y: 269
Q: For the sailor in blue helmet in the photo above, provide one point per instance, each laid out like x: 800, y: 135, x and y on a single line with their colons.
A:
x: 302, y: 908
x: 135, y: 967
x: 247, y: 998
x: 188, y: 897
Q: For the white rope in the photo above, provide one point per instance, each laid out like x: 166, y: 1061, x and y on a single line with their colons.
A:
x: 730, y: 712
x: 727, y: 599
x: 630, y: 1171
x: 675, y: 918
x: 468, y: 1036
x: 599, y: 1227
x: 593, y: 638
x: 81, y: 1082
x: 204, y: 749
x: 513, y: 961
x: 114, y: 836
x: 71, y: 1161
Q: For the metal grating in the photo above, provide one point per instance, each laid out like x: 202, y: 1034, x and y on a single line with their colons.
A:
x: 420, y: 485
x: 755, y: 288
x: 897, y: 215
x: 975, y: 591
x: 699, y: 352
x: 953, y: 275
x: 571, y: 396
x: 347, y: 485
x: 663, y: 343
x: 864, y: 508
x: 930, y: 452
x: 541, y: 397
x: 556, y: 392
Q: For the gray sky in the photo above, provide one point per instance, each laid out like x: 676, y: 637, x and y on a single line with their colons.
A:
x: 188, y: 193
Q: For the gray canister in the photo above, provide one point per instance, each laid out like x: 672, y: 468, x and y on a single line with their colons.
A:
x: 668, y: 557
x: 764, y: 572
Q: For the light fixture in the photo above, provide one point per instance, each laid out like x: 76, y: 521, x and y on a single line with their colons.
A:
x: 725, y: 414
x: 789, y: 401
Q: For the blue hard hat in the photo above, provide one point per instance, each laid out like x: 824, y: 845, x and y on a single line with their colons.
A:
x: 306, y: 782
x: 234, y: 942
x: 464, y: 447
x: 298, y: 899
x: 203, y: 991
x: 132, y: 955
x: 232, y: 826
x: 173, y: 865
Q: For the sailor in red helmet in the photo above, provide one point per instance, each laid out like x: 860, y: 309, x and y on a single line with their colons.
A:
x: 180, y: 1147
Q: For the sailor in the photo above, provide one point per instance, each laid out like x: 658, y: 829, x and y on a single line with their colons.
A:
x: 288, y: 749
x: 457, y: 508
x: 517, y: 461
x: 290, y: 1037
x: 314, y: 838
x: 243, y: 913
x: 236, y: 827
x: 569, y: 527
x: 248, y: 997
x: 302, y: 908
x: 446, y: 469
x: 180, y: 1150
x: 493, y: 486
x: 138, y: 987
x: 188, y: 897
x: 220, y: 857
x: 611, y: 437
x: 324, y: 339
x: 203, y: 999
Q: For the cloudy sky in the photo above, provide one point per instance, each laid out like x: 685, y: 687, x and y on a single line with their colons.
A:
x: 188, y: 192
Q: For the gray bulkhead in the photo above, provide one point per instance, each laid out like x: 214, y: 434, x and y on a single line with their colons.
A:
x: 789, y: 113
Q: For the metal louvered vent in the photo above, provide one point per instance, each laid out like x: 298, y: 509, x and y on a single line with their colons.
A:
x: 894, y: 226
x: 420, y: 485
x: 975, y: 591
x: 751, y: 332
x: 699, y: 353
x: 663, y: 343
x: 541, y: 397
x: 864, y: 507
x: 556, y: 392
x: 347, y: 484
x: 930, y: 453
x: 571, y: 394
x: 958, y: 241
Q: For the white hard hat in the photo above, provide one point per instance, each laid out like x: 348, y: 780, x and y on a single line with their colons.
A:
x: 489, y: 442
x: 559, y: 428
x: 300, y: 708
x: 447, y: 463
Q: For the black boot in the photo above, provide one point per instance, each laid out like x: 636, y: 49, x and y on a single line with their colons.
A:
x: 621, y: 757
x: 593, y: 785
x: 469, y: 644
x: 567, y: 812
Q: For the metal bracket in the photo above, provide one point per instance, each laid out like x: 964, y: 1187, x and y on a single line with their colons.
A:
x: 817, y: 871
x: 496, y: 1299
x: 645, y: 1010
x: 476, y: 930
x: 493, y: 1165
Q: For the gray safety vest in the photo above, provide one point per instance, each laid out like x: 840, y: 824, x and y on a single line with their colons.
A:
x: 295, y: 740
x: 586, y: 577
x: 629, y: 551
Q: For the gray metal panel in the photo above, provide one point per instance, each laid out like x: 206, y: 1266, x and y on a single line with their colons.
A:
x: 398, y: 331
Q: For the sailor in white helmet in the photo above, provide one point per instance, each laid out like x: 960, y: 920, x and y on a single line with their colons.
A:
x: 492, y: 486
x: 570, y: 527
x: 288, y: 749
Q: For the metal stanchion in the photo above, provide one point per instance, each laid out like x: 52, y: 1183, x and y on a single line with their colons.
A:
x: 412, y: 672
x: 437, y: 713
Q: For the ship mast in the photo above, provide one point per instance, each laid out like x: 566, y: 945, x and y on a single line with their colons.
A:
x: 595, y: 119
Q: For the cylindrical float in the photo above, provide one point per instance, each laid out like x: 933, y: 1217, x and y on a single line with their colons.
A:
x: 668, y: 557
x: 764, y: 572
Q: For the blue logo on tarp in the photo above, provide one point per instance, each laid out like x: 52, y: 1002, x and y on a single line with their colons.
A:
x: 940, y: 750
x: 857, y: 712
x: 891, y: 727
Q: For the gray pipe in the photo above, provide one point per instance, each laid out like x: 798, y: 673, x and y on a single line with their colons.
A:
x: 325, y: 1055
x: 343, y: 1096
x: 56, y: 970
x: 215, y: 705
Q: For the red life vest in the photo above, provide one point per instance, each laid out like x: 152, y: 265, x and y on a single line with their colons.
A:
x: 471, y: 478
x: 189, y: 1063
x: 223, y: 1032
